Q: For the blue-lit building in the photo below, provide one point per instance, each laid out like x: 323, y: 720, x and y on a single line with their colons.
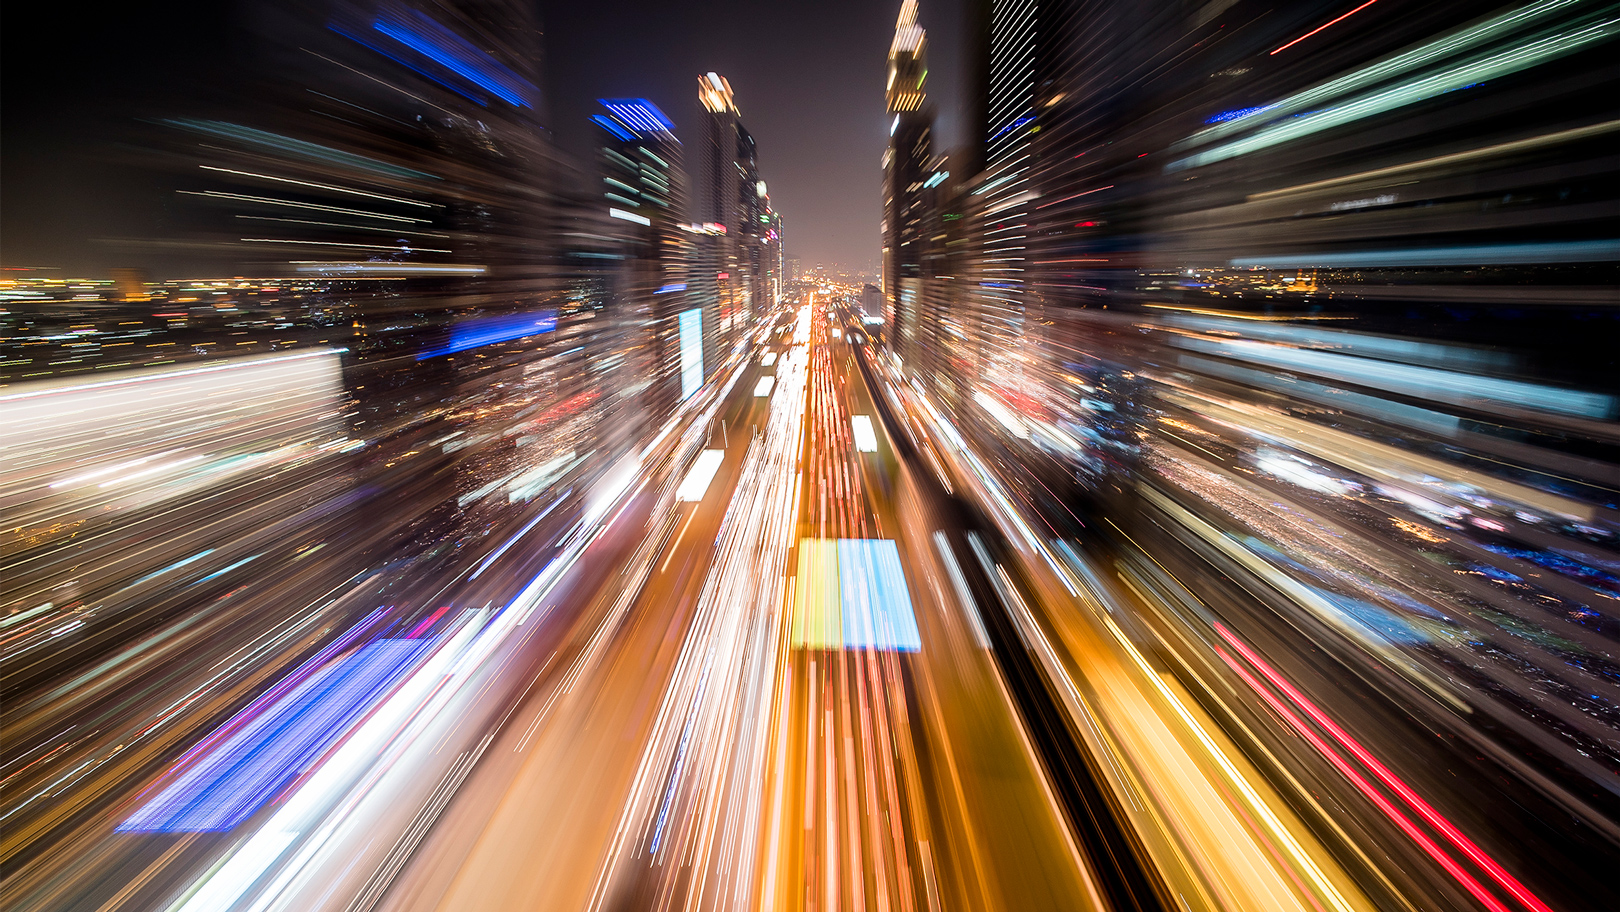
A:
x: 643, y: 192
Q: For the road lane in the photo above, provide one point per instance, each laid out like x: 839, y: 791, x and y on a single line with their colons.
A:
x: 1201, y: 820
x: 531, y: 825
x: 903, y: 779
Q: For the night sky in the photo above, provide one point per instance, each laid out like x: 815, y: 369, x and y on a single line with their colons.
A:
x: 808, y: 77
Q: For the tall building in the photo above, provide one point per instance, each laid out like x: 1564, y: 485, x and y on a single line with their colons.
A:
x: 777, y: 268
x: 906, y: 172
x: 432, y: 115
x: 645, y: 196
x: 1005, y: 189
x: 731, y: 199
x: 757, y: 246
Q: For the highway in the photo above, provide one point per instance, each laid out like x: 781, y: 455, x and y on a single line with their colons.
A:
x: 867, y: 784
x: 1169, y: 463
x: 801, y: 647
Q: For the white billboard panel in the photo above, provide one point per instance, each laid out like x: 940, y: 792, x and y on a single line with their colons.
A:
x: 691, y: 351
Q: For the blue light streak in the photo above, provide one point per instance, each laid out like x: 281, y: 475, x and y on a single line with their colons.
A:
x: 219, y: 573
x: 639, y: 113
x: 1226, y: 116
x: 475, y: 99
x: 1013, y: 126
x: 174, y: 566
x: 268, y: 749
x: 491, y: 330
x: 608, y: 124
x: 432, y: 40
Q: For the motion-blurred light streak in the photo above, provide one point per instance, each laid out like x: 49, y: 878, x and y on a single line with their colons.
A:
x: 421, y: 33
x: 695, y: 792
x: 478, y: 333
x: 1331, y: 22
x: 1457, y: 41
x: 243, y: 772
x: 1393, y: 782
x: 317, y: 186
x: 299, y: 148
x: 1492, y: 66
x: 959, y: 586
x: 1413, y: 380
x: 1483, y: 255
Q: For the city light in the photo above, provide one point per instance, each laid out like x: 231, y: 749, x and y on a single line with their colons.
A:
x: 1165, y: 457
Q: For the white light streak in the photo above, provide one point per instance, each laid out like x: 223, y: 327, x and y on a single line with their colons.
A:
x: 629, y: 216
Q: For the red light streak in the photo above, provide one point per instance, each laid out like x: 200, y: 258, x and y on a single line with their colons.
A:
x: 1077, y: 195
x: 1507, y: 881
x: 1407, y: 826
x: 426, y: 623
x: 1320, y: 27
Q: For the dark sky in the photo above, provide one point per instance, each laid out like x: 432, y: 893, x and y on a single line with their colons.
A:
x: 808, y: 77
x: 75, y: 79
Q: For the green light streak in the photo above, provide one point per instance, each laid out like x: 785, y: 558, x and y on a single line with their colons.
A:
x: 1491, y: 66
x: 1404, y: 62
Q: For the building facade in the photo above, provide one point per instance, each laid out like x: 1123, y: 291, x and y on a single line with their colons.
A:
x: 645, y: 192
x: 907, y: 170
x: 736, y: 278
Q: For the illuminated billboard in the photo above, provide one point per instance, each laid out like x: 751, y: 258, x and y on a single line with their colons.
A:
x: 691, y: 351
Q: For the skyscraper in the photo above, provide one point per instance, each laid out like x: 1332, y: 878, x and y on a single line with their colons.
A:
x: 906, y: 171
x: 1002, y: 216
x: 771, y: 241
x: 645, y: 191
x: 738, y: 237
x: 718, y: 275
x: 756, y: 242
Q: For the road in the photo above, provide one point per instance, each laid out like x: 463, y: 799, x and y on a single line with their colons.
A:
x: 876, y: 778
x: 801, y: 647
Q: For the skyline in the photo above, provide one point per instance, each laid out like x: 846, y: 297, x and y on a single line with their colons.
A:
x: 1106, y: 455
x: 814, y: 103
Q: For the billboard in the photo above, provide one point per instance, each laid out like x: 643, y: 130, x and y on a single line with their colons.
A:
x: 691, y: 351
